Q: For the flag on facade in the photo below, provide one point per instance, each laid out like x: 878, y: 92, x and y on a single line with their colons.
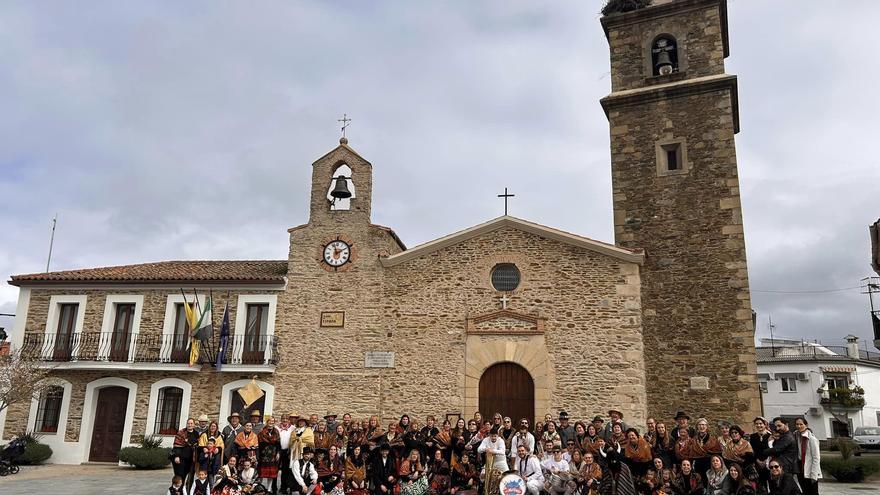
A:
x: 199, y: 328
x: 250, y: 393
x: 224, y: 337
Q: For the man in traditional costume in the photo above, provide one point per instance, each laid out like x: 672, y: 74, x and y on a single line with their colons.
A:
x: 230, y: 431
x: 616, y: 418
x: 682, y: 420
x: 302, y: 437
x: 305, y: 474
x: 384, y: 471
x: 203, y: 423
x: 524, y: 438
x: 256, y: 421
x: 565, y: 429
x: 330, y: 418
x: 285, y: 430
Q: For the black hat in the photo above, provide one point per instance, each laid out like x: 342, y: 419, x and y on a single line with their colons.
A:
x: 681, y: 414
x: 384, y: 447
x: 598, y: 418
x: 307, y: 450
x: 563, y: 415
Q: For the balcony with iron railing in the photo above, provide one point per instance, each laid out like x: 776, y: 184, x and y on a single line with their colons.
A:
x: 852, y: 397
x: 159, y: 351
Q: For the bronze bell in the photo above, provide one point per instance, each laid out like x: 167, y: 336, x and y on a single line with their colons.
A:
x: 341, y: 190
x: 664, y: 64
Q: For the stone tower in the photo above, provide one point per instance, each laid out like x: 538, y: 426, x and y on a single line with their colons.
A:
x: 673, y: 115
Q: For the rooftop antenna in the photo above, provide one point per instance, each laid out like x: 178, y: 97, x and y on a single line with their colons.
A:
x: 51, y: 242
x: 772, y: 340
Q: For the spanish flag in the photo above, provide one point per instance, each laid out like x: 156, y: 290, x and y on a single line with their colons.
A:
x: 199, y: 328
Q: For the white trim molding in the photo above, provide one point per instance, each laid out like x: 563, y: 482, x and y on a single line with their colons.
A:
x: 52, y: 322
x: 167, y: 440
x: 17, y: 337
x: 56, y: 436
x: 90, y: 404
x: 241, y: 324
x: 226, y: 392
x: 109, y: 323
x: 168, y: 323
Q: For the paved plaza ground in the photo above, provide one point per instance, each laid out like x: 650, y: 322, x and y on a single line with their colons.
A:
x: 108, y: 479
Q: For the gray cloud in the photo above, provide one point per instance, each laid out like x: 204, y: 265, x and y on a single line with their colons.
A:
x: 174, y: 131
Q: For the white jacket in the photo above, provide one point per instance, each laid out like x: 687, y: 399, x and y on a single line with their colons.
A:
x: 528, y: 442
x: 811, y: 457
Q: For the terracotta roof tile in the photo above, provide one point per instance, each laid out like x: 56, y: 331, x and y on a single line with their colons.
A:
x: 168, y: 271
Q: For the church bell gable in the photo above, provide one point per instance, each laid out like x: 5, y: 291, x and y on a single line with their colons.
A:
x: 342, y: 168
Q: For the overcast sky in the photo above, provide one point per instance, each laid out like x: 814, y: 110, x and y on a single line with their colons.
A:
x: 186, y: 130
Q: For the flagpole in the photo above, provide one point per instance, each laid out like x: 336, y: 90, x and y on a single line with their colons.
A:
x: 199, y: 308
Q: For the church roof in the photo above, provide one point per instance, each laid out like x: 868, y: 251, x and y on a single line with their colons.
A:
x: 234, y: 271
x: 630, y: 255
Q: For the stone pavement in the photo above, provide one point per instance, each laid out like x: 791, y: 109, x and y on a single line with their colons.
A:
x: 57, y: 479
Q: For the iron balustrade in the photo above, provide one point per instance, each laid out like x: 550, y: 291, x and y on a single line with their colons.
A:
x: 147, y: 348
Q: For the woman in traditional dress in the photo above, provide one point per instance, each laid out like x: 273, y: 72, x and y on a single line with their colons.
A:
x: 412, y: 475
x: 438, y: 474
x: 443, y: 441
x: 590, y: 475
x: 269, y: 444
x: 330, y: 471
x: 356, y: 472
x: 688, y: 482
x: 183, y: 454
x: 683, y: 446
x: 465, y: 477
x: 394, y: 440
x: 322, y: 436
x: 738, y: 450
x: 357, y: 437
x: 246, y: 444
x: 589, y: 442
x: 663, y: 446
x: 703, y: 446
x: 637, y: 452
x: 340, y: 439
x: 574, y: 468
x: 227, y: 481
x: 618, y: 436
x: 551, y: 435
x: 213, y: 431
x: 374, y: 434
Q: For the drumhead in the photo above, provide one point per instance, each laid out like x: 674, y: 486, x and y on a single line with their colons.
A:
x: 512, y: 484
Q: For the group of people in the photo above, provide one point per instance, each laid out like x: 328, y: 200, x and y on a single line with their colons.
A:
x: 309, y: 456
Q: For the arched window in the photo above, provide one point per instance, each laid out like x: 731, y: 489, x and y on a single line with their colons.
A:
x: 168, y: 409
x: 664, y: 55
x: 341, y: 179
x: 49, y: 409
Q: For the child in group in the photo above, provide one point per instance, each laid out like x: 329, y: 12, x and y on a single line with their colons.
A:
x: 248, y: 475
x: 201, y: 485
x: 210, y: 458
x: 176, y: 487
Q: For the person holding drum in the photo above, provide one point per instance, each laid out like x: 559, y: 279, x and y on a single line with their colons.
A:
x: 556, y: 472
x: 529, y: 468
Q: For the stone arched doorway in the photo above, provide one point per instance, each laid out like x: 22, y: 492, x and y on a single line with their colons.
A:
x: 509, y: 389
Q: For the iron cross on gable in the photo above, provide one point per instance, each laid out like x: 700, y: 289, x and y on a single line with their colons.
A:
x: 345, y: 121
x: 506, y: 196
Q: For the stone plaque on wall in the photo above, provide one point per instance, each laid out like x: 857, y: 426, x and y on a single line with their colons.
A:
x: 377, y: 359
x: 333, y: 319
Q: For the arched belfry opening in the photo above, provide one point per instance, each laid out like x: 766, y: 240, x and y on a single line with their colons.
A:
x: 664, y: 55
x: 509, y: 389
x: 339, y: 185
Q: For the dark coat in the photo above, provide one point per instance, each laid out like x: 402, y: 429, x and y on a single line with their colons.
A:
x: 381, y: 471
x: 786, y: 451
x: 784, y: 485
x: 759, y: 445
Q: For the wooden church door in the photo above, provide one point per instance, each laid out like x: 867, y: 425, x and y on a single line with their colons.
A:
x: 507, y: 388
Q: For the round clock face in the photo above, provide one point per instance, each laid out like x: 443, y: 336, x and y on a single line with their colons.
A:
x: 337, y: 253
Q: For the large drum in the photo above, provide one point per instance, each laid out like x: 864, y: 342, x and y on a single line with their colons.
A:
x: 512, y: 484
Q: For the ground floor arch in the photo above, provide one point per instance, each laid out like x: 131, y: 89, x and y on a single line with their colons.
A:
x: 108, y: 416
x: 528, y: 352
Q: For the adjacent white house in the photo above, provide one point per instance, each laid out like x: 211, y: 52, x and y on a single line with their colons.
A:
x: 835, y: 388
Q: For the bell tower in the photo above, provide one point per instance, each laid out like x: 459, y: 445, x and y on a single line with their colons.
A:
x: 673, y: 114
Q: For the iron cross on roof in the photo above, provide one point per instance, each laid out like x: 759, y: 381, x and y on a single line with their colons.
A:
x: 345, y: 121
x: 506, y: 196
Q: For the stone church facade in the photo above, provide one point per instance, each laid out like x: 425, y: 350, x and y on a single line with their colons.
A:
x: 506, y: 316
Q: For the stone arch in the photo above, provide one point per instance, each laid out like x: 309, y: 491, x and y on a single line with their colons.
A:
x: 528, y: 351
x: 225, y: 394
x: 154, y: 403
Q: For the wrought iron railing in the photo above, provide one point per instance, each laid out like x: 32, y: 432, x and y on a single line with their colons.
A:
x: 149, y: 348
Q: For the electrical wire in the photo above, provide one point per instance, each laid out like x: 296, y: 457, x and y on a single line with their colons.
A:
x: 824, y: 291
